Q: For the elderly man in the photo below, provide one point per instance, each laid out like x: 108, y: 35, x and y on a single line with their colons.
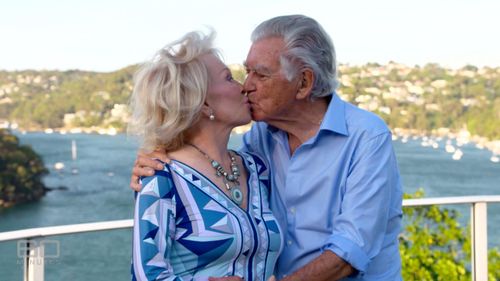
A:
x: 336, y: 189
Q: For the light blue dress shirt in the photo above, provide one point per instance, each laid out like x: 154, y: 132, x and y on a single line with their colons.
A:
x: 339, y: 191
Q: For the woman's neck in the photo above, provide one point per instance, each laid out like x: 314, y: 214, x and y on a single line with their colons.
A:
x: 212, y: 141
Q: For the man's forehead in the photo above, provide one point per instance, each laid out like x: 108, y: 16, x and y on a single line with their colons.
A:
x: 259, y: 67
x: 265, y: 59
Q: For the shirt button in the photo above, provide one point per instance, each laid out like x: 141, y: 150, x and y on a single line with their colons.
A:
x: 289, y: 242
x: 292, y: 210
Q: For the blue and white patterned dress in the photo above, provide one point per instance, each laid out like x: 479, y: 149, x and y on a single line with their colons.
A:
x: 185, y: 228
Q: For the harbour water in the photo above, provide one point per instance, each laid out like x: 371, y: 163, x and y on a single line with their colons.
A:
x: 97, y: 190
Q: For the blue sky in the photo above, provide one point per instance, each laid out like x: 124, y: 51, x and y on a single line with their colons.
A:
x: 106, y: 35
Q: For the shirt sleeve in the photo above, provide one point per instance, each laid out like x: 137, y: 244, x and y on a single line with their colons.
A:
x: 372, y: 181
x: 255, y: 139
x: 154, y: 229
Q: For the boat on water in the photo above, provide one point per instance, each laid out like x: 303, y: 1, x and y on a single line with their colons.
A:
x: 449, y: 148
x: 59, y: 166
x: 73, y: 150
x: 425, y: 143
x: 457, y: 155
x: 495, y: 159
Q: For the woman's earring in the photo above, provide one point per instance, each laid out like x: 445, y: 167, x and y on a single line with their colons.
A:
x: 212, y: 116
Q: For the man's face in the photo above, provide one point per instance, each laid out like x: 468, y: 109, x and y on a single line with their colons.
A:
x: 269, y: 92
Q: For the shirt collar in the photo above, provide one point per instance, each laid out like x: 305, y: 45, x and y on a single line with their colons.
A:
x: 334, y: 119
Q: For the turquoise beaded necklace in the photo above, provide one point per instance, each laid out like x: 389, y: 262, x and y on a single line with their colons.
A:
x: 230, y: 179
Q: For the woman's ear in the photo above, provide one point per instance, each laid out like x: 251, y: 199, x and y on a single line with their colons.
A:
x: 306, y: 84
x: 207, y: 111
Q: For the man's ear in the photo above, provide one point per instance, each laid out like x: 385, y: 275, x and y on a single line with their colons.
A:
x: 306, y: 84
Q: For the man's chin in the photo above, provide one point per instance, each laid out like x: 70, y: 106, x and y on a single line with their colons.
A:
x: 256, y: 117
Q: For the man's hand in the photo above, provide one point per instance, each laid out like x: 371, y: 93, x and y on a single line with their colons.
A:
x: 144, y: 165
x: 327, y: 267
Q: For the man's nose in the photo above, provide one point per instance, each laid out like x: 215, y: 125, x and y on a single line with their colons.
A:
x: 248, y: 85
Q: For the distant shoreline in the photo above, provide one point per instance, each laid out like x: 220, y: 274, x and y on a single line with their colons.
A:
x: 461, y: 137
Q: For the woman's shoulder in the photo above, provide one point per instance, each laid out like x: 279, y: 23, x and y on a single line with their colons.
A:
x: 160, y: 184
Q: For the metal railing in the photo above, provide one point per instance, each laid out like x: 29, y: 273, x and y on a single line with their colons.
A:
x: 30, y: 241
x: 35, y: 250
x: 478, y: 223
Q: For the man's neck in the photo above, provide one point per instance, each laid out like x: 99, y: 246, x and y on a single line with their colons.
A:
x: 302, y: 121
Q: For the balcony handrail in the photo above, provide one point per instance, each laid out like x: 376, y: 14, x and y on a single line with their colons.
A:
x: 47, y: 231
x: 451, y: 200
x: 128, y: 223
x: 479, y: 268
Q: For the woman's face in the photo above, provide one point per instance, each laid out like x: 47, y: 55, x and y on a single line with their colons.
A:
x: 225, y: 95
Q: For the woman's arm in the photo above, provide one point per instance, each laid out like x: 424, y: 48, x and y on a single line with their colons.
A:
x: 154, y: 229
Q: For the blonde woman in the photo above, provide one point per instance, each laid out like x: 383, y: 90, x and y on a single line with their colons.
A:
x: 206, y: 213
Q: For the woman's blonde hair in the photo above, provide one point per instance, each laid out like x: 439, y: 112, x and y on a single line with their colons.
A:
x: 169, y: 92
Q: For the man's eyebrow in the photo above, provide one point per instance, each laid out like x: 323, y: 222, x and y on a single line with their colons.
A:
x: 259, y: 68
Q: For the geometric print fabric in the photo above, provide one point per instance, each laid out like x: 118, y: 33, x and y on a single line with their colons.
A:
x: 185, y: 228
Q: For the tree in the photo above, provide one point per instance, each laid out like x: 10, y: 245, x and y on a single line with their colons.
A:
x: 434, y: 246
x: 21, y: 172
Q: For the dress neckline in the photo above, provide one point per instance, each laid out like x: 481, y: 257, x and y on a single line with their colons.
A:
x: 188, y: 169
